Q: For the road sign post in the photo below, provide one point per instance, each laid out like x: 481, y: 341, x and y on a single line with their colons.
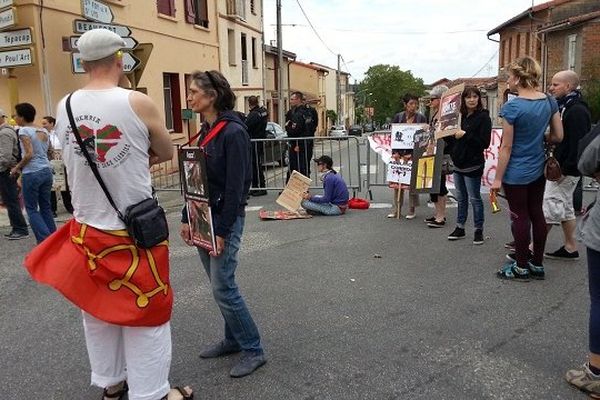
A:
x: 16, y: 58
x: 82, y: 26
x: 8, y: 18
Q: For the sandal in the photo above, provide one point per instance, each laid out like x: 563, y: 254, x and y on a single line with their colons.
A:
x: 186, y: 393
x: 119, y: 395
x: 510, y: 271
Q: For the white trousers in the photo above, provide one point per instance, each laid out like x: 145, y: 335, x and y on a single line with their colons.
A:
x: 141, y: 355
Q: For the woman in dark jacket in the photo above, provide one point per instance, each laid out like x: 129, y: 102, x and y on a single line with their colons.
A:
x: 468, y: 158
x: 229, y: 173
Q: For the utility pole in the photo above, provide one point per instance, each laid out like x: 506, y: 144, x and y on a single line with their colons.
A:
x: 280, y: 101
x: 339, y: 90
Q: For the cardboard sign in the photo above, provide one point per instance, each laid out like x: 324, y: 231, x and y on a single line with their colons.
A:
x: 399, y: 172
x: 291, y: 197
x: 450, y: 116
x: 403, y: 135
x: 427, y: 160
x: 58, y: 177
x: 283, y: 215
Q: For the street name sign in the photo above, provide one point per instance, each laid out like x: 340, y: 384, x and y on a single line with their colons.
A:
x: 82, y: 26
x: 15, y: 58
x: 130, y: 63
x: 19, y: 37
x: 130, y: 43
x: 6, y: 3
x: 8, y: 18
x: 96, y: 11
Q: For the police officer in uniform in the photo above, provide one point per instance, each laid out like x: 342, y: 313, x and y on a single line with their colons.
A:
x: 256, y: 121
x: 296, y: 127
x: 311, y: 120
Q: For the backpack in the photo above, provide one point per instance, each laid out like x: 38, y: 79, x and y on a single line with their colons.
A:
x: 17, y: 155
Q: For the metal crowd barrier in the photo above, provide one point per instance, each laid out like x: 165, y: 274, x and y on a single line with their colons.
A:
x: 376, y: 168
x: 165, y: 176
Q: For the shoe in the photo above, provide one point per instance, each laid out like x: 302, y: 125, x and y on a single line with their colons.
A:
x: 510, y: 271
x: 513, y: 256
x: 437, y: 224
x: 257, y: 193
x: 431, y: 219
x: 16, y: 236
x: 391, y: 215
x: 457, y: 233
x: 536, y: 271
x: 478, y: 237
x: 219, y: 350
x: 510, y: 245
x: 411, y: 216
x: 584, y: 380
x: 563, y: 254
x: 249, y: 362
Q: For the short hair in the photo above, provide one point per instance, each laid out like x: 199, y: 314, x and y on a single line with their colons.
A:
x: 214, y: 84
x: 50, y: 119
x: 408, y: 97
x: 25, y: 111
x: 253, y: 100
x: 298, y: 94
x: 101, y: 63
x: 470, y: 89
x: 527, y: 70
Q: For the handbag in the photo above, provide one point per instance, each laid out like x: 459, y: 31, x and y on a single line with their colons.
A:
x: 552, y: 171
x: 356, y: 203
x: 146, y: 221
x: 447, y: 165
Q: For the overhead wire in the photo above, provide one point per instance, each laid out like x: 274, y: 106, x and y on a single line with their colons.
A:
x: 314, y: 29
x: 486, y: 64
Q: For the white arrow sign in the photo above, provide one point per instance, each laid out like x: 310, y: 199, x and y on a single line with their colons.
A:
x: 15, y: 58
x: 96, y: 11
x: 130, y: 63
x: 81, y: 26
x: 130, y: 43
x: 8, y: 18
x: 20, y: 37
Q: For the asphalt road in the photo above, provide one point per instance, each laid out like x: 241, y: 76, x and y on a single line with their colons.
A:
x: 427, y: 320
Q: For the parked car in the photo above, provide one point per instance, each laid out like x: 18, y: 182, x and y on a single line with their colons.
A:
x: 338, y: 131
x: 276, y: 152
x: 356, y: 130
x: 369, y: 128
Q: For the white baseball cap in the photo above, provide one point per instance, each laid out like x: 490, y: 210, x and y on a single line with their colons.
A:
x: 97, y: 44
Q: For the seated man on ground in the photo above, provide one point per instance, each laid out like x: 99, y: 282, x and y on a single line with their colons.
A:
x: 334, y: 200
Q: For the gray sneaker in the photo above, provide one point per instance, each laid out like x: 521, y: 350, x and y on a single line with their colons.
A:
x: 583, y: 379
x: 249, y: 362
x: 219, y: 350
x: 16, y: 236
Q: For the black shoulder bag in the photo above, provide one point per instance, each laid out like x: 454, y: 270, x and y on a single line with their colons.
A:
x: 146, y: 221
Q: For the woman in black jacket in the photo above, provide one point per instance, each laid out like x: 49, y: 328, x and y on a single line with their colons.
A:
x: 468, y: 157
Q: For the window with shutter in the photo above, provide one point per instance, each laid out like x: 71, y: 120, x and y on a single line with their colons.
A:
x: 190, y: 11
x: 166, y: 7
x: 201, y: 12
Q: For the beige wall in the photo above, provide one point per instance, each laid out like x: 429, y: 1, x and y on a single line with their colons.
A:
x: 179, y: 47
x: 271, y: 101
x: 310, y: 81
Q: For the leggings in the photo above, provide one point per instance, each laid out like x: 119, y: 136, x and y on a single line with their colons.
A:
x: 525, y: 203
x: 593, y: 257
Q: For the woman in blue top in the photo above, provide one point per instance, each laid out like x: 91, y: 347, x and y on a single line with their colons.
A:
x: 520, y: 168
x: 334, y: 200
x: 36, y: 171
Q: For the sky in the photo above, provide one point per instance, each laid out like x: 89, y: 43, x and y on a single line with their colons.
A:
x: 432, y: 38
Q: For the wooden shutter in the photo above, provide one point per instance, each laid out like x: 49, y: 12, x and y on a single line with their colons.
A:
x: 190, y: 12
x: 166, y: 7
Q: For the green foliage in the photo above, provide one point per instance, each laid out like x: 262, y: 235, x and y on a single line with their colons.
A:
x: 332, y: 116
x: 383, y: 88
x: 591, y: 95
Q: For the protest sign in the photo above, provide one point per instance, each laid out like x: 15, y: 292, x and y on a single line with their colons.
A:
x: 450, y: 116
x: 297, y: 186
x: 427, y: 159
x: 381, y: 143
x: 403, y: 135
x: 399, y: 172
x: 283, y: 215
x: 58, y: 178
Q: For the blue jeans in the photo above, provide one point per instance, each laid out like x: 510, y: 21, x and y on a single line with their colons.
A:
x: 8, y: 191
x: 36, y: 193
x: 594, y: 285
x: 321, y: 208
x: 239, y: 325
x: 468, y: 189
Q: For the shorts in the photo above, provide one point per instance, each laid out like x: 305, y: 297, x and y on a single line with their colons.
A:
x: 443, y: 190
x: 558, y: 200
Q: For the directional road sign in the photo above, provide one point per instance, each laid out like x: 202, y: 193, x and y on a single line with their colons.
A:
x: 96, y: 11
x: 130, y: 63
x: 16, y: 58
x: 8, y: 18
x: 82, y: 26
x: 130, y: 43
x: 16, y: 38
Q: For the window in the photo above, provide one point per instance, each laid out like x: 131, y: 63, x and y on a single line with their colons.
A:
x: 240, y: 8
x: 518, y: 46
x: 254, y: 60
x: 244, y: 59
x: 231, y: 46
x: 172, y: 98
x: 196, y: 12
x: 166, y: 7
x: 528, y: 43
x: 572, y: 51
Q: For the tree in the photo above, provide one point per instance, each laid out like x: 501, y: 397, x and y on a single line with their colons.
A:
x: 383, y: 88
x: 331, y: 116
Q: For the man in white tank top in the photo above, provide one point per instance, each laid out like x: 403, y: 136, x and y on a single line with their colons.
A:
x: 129, y: 339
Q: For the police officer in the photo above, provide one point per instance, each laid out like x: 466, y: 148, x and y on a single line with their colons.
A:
x: 311, y: 119
x: 296, y: 127
x: 256, y: 121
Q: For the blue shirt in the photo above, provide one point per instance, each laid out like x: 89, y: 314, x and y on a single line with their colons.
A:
x: 39, y: 159
x: 335, y: 190
x: 529, y: 119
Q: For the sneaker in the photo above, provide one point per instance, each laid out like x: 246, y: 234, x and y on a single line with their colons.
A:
x: 510, y: 271
x: 16, y: 236
x: 510, y: 245
x: 431, y: 219
x: 536, y: 271
x: 437, y: 224
x: 249, y: 362
x: 457, y: 233
x: 584, y: 380
x: 478, y: 237
x: 513, y: 256
x: 411, y: 216
x: 391, y: 215
x: 563, y: 254
x: 219, y: 350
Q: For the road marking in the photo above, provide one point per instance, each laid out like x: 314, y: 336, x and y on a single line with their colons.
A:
x: 380, y: 205
x: 254, y: 208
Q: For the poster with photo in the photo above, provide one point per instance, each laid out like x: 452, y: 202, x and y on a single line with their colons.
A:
x: 403, y: 135
x: 399, y: 172
x: 450, y: 116
x: 427, y: 160
x: 58, y: 175
x: 201, y: 227
x: 193, y: 169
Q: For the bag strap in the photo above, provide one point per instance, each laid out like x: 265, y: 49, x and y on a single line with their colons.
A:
x: 211, y: 135
x: 88, y: 158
